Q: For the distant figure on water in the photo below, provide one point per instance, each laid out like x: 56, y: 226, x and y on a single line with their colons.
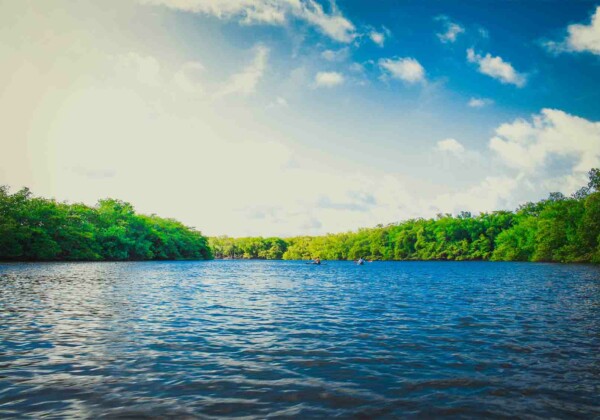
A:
x: 360, y: 261
x: 317, y: 261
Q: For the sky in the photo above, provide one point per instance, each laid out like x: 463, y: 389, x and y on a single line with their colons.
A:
x: 299, y: 117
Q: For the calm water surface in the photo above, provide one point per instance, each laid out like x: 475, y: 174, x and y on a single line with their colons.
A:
x: 260, y: 339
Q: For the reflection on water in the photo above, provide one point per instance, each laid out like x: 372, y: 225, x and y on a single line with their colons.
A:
x: 231, y: 338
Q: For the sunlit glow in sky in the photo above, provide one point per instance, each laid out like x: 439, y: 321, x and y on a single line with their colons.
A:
x: 266, y: 117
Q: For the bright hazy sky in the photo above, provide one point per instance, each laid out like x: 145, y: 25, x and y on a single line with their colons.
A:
x: 285, y: 117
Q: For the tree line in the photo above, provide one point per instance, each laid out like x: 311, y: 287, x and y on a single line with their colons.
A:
x: 33, y: 229
x: 556, y: 229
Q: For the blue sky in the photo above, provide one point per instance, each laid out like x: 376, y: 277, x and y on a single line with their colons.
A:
x: 248, y: 117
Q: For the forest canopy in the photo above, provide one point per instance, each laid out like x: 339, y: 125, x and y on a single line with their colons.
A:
x: 33, y: 228
x: 557, y: 229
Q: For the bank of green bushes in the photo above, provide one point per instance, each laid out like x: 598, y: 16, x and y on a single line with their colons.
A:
x: 33, y: 228
x: 559, y: 228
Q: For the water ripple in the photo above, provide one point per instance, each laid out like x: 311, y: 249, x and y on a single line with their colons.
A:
x: 283, y: 339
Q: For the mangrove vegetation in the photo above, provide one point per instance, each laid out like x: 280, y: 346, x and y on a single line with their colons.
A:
x: 33, y: 228
x: 558, y: 229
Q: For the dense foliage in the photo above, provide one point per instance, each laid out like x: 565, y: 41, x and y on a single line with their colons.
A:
x: 559, y: 228
x: 248, y: 248
x: 33, y: 228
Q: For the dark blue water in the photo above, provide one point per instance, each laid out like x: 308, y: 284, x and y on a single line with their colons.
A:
x: 258, y: 339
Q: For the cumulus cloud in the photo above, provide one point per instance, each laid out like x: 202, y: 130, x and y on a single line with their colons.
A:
x: 551, y: 151
x: 279, y: 102
x: 551, y: 135
x: 357, y: 68
x: 450, y: 145
x: 479, y: 102
x: 407, y: 69
x: 335, y: 25
x: 244, y: 82
x: 580, y: 38
x: 492, y: 193
x: 328, y: 79
x: 546, y: 138
x: 273, y: 12
x: 248, y: 11
x: 57, y: 144
x: 497, y: 68
x: 457, y: 151
x: 451, y: 30
x: 336, y: 55
x: 188, y: 78
x: 377, y: 37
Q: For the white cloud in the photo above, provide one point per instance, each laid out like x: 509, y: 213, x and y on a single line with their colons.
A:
x: 550, y: 152
x: 451, y: 146
x: 492, y: 193
x: 328, y: 78
x: 335, y: 25
x: 406, y: 69
x: 279, y: 102
x: 188, y: 78
x: 245, y: 82
x: 377, y: 37
x: 357, y: 68
x: 274, y: 12
x: 455, y: 149
x: 551, y: 135
x: 69, y: 115
x: 248, y: 11
x: 452, y: 30
x: 479, y: 102
x: 336, y: 55
x: 497, y: 68
x: 580, y: 38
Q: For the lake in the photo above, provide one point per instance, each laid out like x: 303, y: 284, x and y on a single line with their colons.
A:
x: 258, y: 339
